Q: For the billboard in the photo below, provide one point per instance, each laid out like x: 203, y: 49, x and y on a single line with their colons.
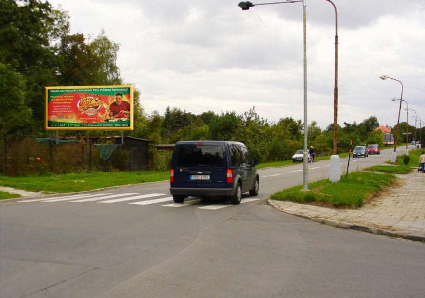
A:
x: 89, y: 108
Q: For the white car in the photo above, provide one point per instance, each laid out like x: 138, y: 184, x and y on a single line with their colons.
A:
x: 298, y: 156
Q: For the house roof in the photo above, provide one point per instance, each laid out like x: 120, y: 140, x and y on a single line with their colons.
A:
x: 384, y: 129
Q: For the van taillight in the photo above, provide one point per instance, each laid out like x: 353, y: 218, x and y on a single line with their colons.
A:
x: 229, y: 176
x: 171, y: 175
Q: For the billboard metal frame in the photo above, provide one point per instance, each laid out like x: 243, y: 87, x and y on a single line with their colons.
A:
x: 46, y: 122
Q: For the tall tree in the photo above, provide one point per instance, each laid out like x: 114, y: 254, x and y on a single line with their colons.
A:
x: 108, y: 73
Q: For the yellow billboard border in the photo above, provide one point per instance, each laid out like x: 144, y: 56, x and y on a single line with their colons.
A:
x: 131, y: 127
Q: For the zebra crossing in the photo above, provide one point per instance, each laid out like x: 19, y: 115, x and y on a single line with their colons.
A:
x: 134, y: 199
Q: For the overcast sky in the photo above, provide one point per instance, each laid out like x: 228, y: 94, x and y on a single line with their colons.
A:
x: 202, y: 55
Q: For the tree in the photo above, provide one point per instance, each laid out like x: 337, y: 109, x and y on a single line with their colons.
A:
x: 15, y: 114
x: 79, y: 66
x: 224, y: 126
x: 106, y: 52
x: 28, y: 30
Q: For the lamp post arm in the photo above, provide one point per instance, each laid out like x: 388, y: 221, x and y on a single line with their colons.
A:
x: 281, y: 2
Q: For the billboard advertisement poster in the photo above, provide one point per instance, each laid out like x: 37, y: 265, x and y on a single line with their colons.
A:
x: 89, y: 108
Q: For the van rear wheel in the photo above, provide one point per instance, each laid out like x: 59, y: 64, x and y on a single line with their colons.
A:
x: 178, y: 199
x: 254, y: 192
x: 237, y: 197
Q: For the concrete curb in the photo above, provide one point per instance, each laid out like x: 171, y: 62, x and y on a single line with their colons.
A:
x: 78, y: 192
x: 362, y: 228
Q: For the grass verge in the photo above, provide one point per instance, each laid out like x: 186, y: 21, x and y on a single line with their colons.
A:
x: 352, y: 191
x: 6, y: 195
x: 399, y: 167
x: 81, y: 181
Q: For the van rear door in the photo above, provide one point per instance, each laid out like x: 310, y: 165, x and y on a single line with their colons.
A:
x: 200, y: 166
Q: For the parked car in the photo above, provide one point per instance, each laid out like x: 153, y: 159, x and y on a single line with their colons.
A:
x: 360, y: 151
x: 212, y: 169
x: 299, y: 156
x: 373, y: 149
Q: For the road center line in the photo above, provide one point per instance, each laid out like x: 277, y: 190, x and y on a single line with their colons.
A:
x: 274, y: 175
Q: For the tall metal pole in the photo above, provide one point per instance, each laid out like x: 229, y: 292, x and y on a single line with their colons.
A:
x: 335, y: 145
x: 407, y: 126
x: 399, y: 109
x: 305, y: 158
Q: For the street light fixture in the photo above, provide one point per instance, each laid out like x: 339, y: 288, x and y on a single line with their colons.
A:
x: 246, y: 6
x: 394, y: 155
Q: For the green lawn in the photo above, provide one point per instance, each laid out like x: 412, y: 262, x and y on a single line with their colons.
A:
x: 399, y: 167
x: 81, y: 181
x: 6, y: 195
x: 352, y: 191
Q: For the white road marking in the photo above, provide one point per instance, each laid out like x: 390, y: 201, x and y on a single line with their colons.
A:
x: 314, y: 168
x: 274, y: 175
x: 103, y: 198
x: 69, y: 198
x: 248, y: 200
x: 53, y: 198
x: 213, y: 207
x: 155, y: 201
x: 296, y: 171
x: 132, y: 198
x: 186, y: 203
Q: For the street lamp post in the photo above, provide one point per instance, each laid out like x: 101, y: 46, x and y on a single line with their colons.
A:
x: 407, y: 123
x: 335, y: 145
x: 335, y: 175
x: 394, y: 155
x: 415, y: 136
x: 247, y: 5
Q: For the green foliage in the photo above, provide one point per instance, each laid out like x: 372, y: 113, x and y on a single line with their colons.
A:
x: 406, y: 159
x: 390, y: 169
x: 6, y: 195
x: 161, y: 160
x: 14, y: 113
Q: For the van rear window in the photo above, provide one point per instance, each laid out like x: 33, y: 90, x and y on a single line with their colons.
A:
x: 200, y: 156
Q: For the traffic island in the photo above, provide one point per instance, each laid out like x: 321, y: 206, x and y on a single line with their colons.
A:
x: 396, y: 211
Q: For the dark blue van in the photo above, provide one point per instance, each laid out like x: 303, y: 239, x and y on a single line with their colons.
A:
x: 212, y: 169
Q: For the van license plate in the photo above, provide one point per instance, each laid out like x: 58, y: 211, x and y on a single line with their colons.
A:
x: 199, y: 177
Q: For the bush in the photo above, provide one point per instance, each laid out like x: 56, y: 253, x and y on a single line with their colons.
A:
x: 406, y: 159
x: 160, y: 160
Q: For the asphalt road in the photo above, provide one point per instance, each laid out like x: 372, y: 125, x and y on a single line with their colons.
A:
x: 134, y: 242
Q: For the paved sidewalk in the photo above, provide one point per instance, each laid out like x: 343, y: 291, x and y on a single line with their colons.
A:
x: 397, y: 212
x: 22, y: 193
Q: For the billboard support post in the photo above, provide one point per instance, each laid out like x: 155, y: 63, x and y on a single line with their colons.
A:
x: 51, y: 156
x: 122, y: 139
x: 90, y: 145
